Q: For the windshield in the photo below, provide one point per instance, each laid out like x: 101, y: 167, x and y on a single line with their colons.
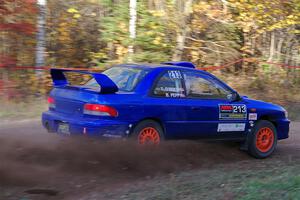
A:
x: 126, y: 78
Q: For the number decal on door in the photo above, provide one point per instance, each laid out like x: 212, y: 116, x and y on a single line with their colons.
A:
x: 239, y: 108
x: 233, y: 111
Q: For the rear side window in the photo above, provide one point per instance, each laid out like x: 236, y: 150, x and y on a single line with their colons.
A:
x: 126, y: 78
x: 169, y: 85
x: 199, y: 87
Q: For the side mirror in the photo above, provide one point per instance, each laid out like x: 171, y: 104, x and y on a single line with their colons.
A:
x: 234, y: 97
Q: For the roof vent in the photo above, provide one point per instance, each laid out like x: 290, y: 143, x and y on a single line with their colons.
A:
x: 180, y: 64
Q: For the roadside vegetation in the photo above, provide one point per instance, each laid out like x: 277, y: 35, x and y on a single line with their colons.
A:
x: 208, y: 33
x: 280, y: 182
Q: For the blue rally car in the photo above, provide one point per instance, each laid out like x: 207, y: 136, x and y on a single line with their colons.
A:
x: 151, y: 103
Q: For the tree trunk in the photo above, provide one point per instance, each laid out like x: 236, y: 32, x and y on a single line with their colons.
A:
x: 264, y: 42
x: 288, y: 45
x: 279, y: 47
x: 111, y: 50
x: 182, y: 32
x: 272, y: 46
x: 132, y: 27
x: 180, y: 42
x: 225, y: 7
x: 253, y: 46
x: 40, y: 46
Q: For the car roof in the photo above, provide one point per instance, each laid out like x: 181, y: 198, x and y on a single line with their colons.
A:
x: 172, y: 67
x: 159, y: 66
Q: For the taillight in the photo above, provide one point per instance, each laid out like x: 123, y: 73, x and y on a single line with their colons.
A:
x: 100, y: 110
x: 51, y: 102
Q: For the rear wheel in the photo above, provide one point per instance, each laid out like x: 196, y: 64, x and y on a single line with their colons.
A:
x: 263, y: 140
x: 148, y: 132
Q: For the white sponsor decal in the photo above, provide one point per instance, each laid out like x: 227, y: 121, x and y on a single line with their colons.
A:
x: 231, y: 127
x: 252, y: 116
x: 111, y: 136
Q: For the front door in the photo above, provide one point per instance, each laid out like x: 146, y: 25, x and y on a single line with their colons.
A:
x: 210, y: 111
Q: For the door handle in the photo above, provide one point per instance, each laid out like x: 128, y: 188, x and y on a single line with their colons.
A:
x: 195, y: 108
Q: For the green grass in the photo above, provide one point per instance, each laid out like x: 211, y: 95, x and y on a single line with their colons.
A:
x: 22, y: 110
x: 263, y: 181
x: 274, y: 186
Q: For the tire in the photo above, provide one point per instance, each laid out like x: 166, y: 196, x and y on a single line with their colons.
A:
x: 148, y: 132
x: 263, y: 139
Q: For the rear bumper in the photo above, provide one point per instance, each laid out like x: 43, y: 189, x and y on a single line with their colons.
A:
x: 86, y: 126
x: 283, y: 128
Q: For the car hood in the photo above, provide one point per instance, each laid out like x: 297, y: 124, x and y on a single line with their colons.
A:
x: 261, y: 105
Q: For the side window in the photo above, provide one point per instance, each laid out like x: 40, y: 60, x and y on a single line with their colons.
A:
x: 199, y: 87
x: 169, y: 85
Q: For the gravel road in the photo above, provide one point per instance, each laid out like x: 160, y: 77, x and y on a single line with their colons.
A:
x: 37, y: 165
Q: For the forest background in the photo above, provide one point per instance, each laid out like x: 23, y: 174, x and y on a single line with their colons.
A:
x: 252, y: 45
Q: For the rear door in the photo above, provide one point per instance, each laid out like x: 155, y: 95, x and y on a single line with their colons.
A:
x: 166, y: 101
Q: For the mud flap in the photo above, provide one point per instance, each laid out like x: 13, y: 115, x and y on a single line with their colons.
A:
x: 245, y: 145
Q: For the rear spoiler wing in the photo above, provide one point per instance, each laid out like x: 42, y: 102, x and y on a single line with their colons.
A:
x: 106, y: 84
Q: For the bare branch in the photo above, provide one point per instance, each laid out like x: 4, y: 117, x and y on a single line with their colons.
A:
x: 205, y: 41
x: 206, y: 48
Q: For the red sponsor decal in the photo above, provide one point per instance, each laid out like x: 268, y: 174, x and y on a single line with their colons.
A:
x: 225, y: 107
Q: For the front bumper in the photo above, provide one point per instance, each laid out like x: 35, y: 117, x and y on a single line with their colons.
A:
x: 283, y: 127
x: 86, y: 126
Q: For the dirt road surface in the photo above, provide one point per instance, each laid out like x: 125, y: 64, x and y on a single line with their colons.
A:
x: 37, y: 165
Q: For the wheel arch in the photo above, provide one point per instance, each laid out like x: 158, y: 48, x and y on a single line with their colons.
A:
x: 270, y: 119
x: 153, y: 119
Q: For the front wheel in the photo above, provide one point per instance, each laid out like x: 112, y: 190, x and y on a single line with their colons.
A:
x: 148, y: 132
x: 263, y: 140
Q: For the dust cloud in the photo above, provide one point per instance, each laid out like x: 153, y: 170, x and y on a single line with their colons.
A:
x: 33, y: 159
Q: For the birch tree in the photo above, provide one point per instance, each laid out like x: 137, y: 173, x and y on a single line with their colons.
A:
x: 132, y: 27
x: 40, y: 47
x: 184, y: 9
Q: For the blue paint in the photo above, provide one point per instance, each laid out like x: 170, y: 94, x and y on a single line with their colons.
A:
x: 107, y: 85
x: 179, y: 117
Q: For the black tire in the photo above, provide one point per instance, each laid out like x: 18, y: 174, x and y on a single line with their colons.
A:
x: 147, y: 124
x: 254, y: 148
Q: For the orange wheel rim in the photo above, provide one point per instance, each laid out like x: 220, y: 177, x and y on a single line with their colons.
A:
x: 264, y: 139
x: 149, y: 135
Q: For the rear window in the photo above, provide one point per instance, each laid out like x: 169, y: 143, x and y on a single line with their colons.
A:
x: 126, y: 78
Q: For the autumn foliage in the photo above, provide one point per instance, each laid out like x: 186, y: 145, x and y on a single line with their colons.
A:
x: 208, y: 33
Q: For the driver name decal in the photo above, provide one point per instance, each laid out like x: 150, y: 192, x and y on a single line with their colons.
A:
x: 232, y: 111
